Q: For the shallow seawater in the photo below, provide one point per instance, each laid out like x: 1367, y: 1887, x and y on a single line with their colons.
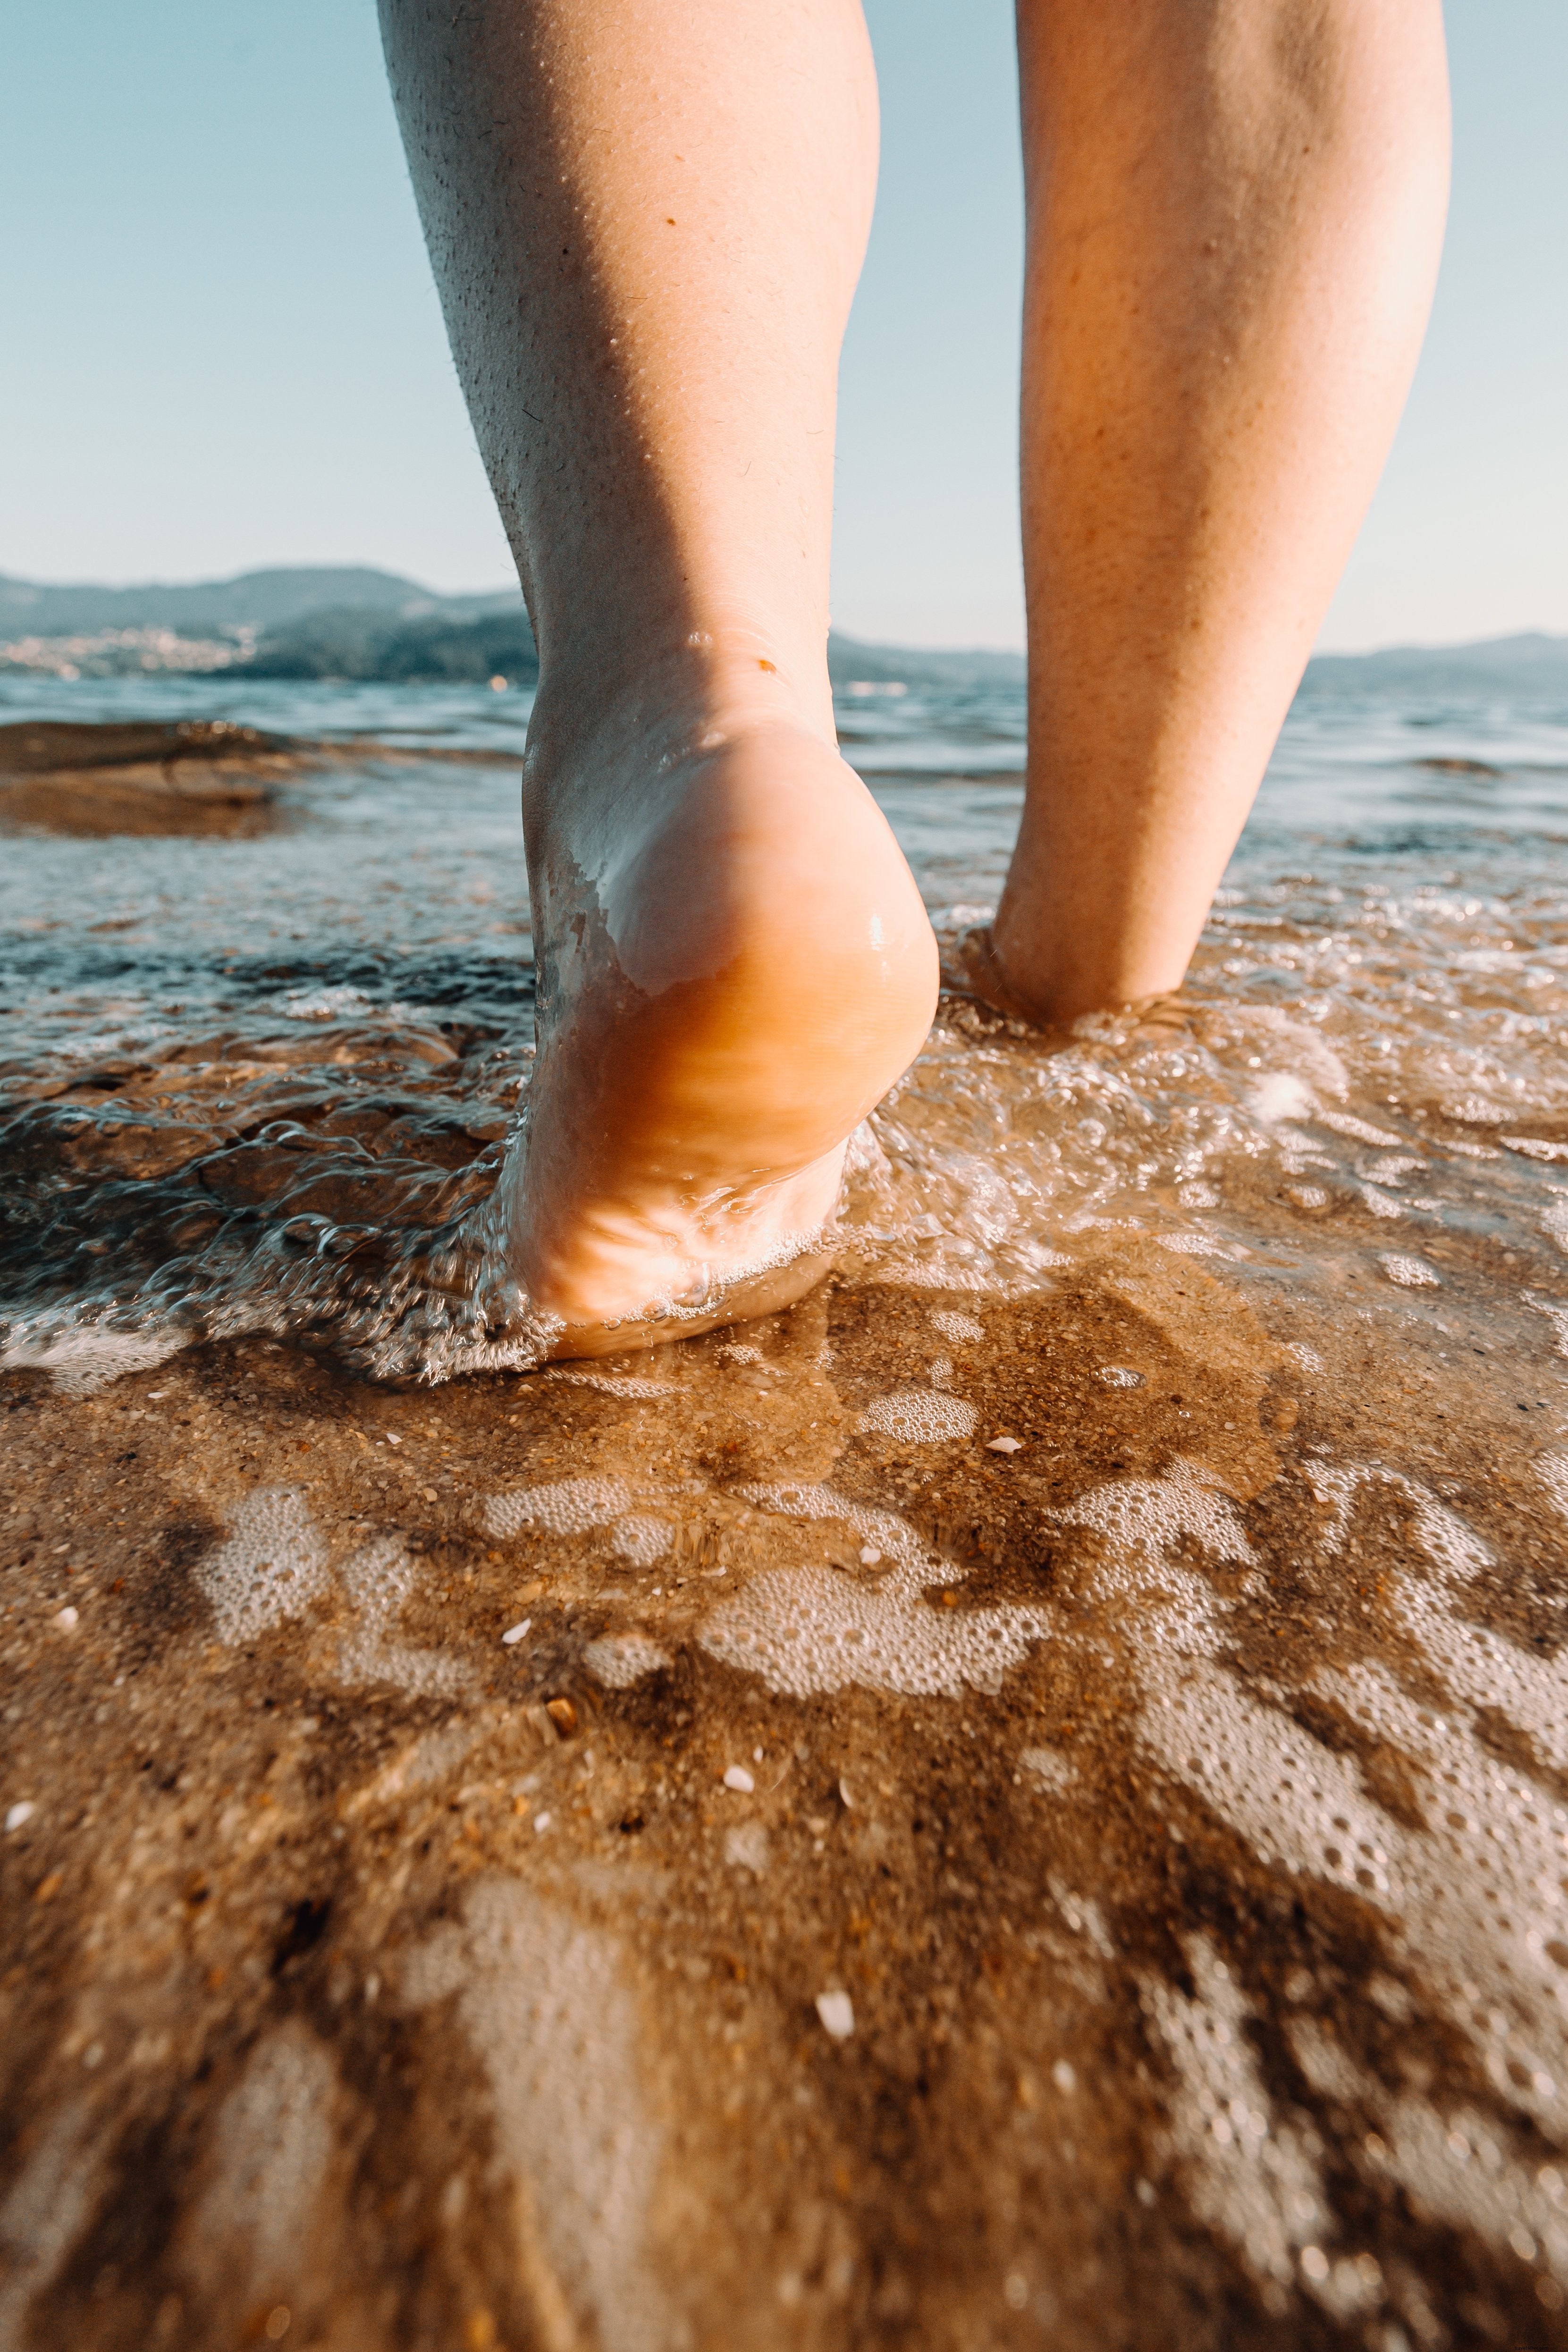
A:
x: 261, y: 1083
x: 1063, y: 1735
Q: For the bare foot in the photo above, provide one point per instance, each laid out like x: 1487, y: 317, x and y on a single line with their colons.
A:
x: 734, y: 965
x: 976, y: 969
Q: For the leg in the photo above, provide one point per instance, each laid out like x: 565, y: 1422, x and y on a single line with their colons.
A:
x: 1234, y: 213
x: 646, y: 225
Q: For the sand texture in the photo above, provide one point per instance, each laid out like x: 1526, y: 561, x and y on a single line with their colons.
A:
x: 711, y: 1849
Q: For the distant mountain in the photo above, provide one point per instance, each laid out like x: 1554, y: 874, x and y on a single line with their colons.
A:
x: 255, y: 600
x: 325, y: 621
x: 441, y: 641
x: 848, y: 659
x: 1532, y: 662
x: 331, y: 621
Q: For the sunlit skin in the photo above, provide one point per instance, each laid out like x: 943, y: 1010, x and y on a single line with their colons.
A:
x: 647, y: 223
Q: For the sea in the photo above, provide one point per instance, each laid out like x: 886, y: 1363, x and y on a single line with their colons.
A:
x: 1170, y: 1479
x: 261, y: 1081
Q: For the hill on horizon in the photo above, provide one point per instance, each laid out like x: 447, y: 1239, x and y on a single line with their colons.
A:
x: 351, y: 621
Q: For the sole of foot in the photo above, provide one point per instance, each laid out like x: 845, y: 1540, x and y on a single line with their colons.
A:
x: 734, y: 966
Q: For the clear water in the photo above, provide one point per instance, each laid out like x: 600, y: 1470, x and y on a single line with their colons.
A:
x: 259, y: 1083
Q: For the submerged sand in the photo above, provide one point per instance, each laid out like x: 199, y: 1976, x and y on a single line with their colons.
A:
x: 715, y: 1848
x: 1025, y: 1802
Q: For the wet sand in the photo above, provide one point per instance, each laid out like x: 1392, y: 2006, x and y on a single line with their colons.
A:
x: 1140, y: 1566
x: 190, y: 777
x: 710, y: 1849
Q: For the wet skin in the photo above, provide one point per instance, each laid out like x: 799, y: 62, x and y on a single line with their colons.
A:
x: 736, y: 966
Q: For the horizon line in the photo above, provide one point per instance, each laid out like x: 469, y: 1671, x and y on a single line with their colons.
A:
x: 896, y: 644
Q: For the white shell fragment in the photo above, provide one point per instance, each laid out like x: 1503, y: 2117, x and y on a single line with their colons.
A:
x: 837, y: 2011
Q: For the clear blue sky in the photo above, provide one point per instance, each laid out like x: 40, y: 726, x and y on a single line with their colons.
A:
x: 223, y: 348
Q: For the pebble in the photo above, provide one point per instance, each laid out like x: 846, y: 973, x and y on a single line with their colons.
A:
x: 1005, y: 1444
x: 541, y: 1823
x: 20, y: 1813
x: 515, y: 1632
x: 563, y: 1715
x: 845, y: 1795
x: 1063, y: 2076
x: 737, y: 1776
x: 869, y: 1556
x: 837, y: 2011
x: 67, y: 1619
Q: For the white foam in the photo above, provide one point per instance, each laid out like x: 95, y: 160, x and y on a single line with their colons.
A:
x: 619, y: 1661
x: 640, y: 1538
x: 1250, y: 2176
x: 45, y: 2210
x: 1050, y: 1770
x: 811, y: 1630
x: 1463, y: 2166
x: 1474, y: 1897
x: 1143, y: 1519
x: 272, y: 2144
x: 1278, y: 1094
x: 1410, y: 1272
x: 1556, y: 1312
x: 380, y: 1580
x: 746, y: 1848
x: 956, y: 1327
x: 271, y: 1565
x: 567, y: 1506
x: 548, y: 2010
x: 920, y: 1417
x: 81, y: 1358
x: 1344, y: 1124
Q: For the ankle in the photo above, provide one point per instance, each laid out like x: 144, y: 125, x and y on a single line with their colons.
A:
x: 678, y: 690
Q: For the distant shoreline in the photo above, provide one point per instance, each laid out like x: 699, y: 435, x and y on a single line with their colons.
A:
x: 353, y: 623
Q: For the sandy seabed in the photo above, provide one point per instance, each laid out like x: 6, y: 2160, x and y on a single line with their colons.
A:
x: 1022, y: 1803
x: 711, y: 1848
